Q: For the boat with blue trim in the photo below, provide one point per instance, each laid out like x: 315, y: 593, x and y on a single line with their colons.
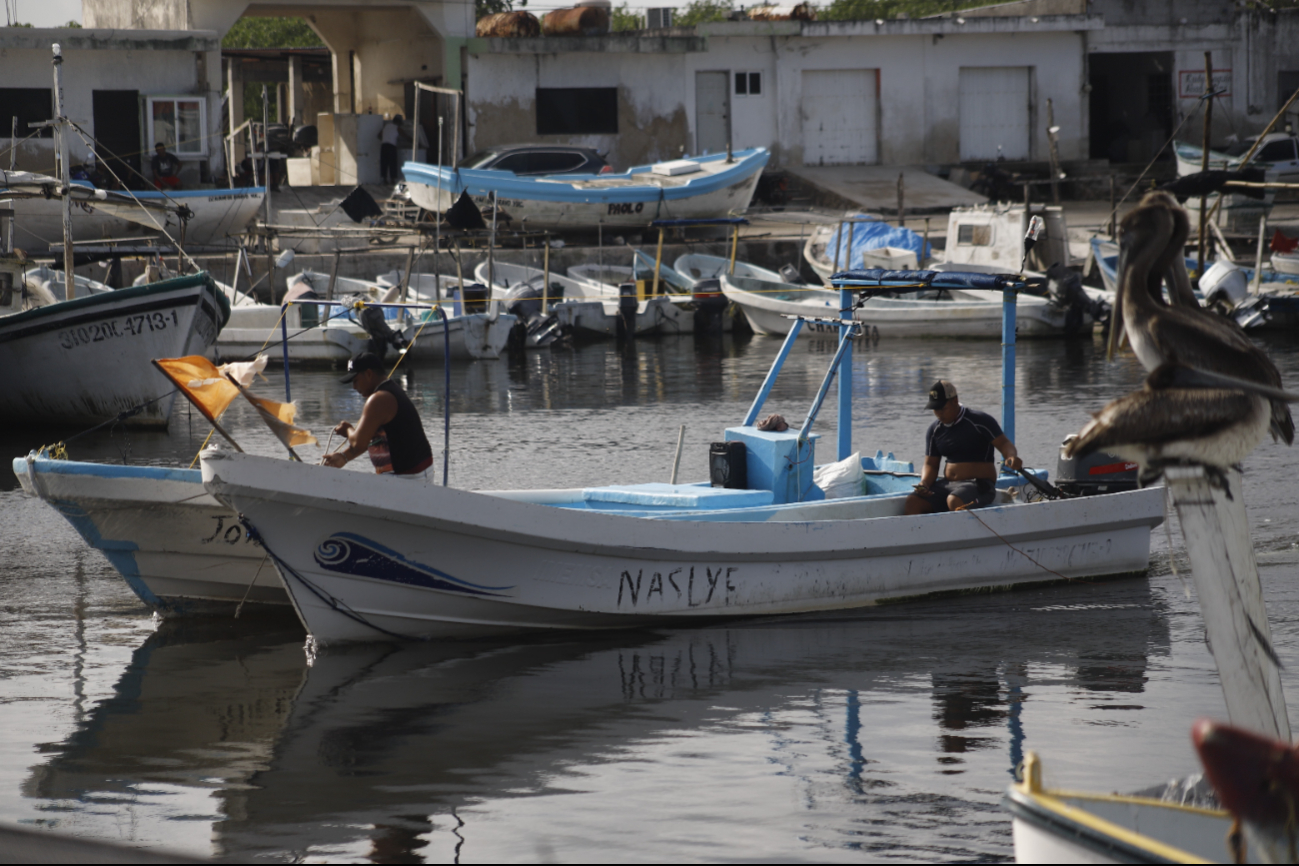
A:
x: 698, y: 187
x: 364, y: 559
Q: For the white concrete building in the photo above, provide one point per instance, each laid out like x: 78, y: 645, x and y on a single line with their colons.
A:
x: 124, y: 89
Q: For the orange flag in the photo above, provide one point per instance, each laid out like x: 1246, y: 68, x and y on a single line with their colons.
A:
x: 279, y: 417
x: 200, y: 381
x: 205, y: 384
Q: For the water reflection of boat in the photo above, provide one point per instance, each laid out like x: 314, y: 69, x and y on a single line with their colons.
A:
x: 362, y: 747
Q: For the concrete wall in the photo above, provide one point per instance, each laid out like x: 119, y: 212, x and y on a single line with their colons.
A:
x: 152, y: 62
x: 919, y: 79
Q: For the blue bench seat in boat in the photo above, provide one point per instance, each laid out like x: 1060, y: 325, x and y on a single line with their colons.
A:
x: 659, y: 495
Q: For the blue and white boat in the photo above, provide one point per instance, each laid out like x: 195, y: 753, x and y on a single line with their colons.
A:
x: 696, y: 188
x: 365, y: 559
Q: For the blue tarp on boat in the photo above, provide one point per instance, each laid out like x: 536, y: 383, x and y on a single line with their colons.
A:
x: 871, y: 236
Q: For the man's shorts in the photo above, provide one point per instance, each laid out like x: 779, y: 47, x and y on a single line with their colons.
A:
x: 980, y: 491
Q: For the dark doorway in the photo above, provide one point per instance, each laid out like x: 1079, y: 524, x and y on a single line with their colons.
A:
x: 117, y: 133
x: 1132, y: 105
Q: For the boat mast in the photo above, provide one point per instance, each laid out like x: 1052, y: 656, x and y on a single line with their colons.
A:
x: 61, y: 130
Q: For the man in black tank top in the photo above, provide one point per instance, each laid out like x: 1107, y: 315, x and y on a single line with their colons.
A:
x: 389, y: 427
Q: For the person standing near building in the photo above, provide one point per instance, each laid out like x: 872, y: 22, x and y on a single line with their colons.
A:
x: 166, y: 168
x: 390, y: 134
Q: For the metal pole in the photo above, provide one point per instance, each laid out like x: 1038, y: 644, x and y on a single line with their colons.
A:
x: 491, y: 254
x: 545, y: 273
x: 13, y: 158
x: 266, y: 151
x: 852, y: 227
x: 776, y: 365
x: 284, y: 342
x: 845, y: 374
x: 838, y: 241
x: 735, y: 247
x: 1114, y: 206
x: 1204, y: 160
x: 1053, y: 153
x: 437, y: 216
x: 1008, y: 362
x: 405, y: 277
x: 69, y: 259
x: 676, y: 461
x: 1258, y: 255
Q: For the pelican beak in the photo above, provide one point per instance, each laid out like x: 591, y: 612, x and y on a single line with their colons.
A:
x: 1124, y: 285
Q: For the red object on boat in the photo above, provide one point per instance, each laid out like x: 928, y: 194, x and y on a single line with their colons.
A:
x: 1256, y: 777
x: 1283, y: 244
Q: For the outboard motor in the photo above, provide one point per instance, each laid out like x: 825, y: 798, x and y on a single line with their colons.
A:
x: 1094, y: 474
x: 381, y: 335
x: 1065, y: 291
x: 628, y: 306
x: 789, y: 274
x: 710, y: 306
x: 525, y: 299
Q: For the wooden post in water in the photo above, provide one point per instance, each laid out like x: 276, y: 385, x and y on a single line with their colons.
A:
x: 1216, y: 530
x: 901, y: 206
x: 1204, y: 161
x: 1258, y: 255
x: 1114, y: 206
x: 333, y: 275
x: 1053, y: 152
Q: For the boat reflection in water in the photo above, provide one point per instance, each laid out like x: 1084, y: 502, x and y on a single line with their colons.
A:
x: 404, y: 753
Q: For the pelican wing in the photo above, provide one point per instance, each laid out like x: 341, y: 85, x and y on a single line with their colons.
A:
x: 1159, y: 417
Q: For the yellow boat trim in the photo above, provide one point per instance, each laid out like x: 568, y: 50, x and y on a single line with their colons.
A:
x: 1053, y: 801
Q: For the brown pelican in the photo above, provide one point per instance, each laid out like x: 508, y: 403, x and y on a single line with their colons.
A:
x: 1149, y: 247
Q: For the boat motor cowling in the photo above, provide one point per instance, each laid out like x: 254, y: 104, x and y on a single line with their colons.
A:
x: 1094, y: 474
x: 381, y: 335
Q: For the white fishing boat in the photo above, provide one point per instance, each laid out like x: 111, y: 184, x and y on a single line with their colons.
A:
x: 969, y: 313
x: 319, y: 333
x: 217, y: 214
x: 86, y: 360
x: 587, y: 308
x: 363, y: 559
x: 54, y: 282
x: 698, y: 187
x: 179, y: 550
x: 698, y: 266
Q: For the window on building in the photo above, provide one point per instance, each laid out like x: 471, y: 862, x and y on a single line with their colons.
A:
x: 179, y: 122
x: 979, y: 236
x: 748, y: 84
x: 577, y: 111
x: 28, y: 105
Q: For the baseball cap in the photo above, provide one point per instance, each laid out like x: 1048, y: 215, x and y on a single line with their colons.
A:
x: 939, y: 393
x: 361, y: 363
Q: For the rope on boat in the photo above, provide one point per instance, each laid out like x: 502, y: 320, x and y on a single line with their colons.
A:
x: 972, y: 513
x: 334, y: 603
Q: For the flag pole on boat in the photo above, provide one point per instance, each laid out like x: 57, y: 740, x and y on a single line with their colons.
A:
x: 61, y: 129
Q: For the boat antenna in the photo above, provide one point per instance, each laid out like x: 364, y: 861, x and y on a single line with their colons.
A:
x: 61, y: 129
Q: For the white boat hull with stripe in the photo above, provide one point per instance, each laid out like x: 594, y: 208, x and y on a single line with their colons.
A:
x: 178, y: 549
x: 366, y: 557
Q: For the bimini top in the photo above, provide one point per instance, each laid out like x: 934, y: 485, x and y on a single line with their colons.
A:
x: 919, y: 281
x: 708, y: 174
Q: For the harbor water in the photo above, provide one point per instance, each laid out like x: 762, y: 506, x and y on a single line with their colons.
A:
x: 886, y: 733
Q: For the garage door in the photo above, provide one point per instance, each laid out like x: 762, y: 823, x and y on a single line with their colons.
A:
x: 839, y: 108
x: 994, y: 112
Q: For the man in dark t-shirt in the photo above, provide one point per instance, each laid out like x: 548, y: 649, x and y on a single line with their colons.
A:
x: 966, y: 437
x: 389, y: 428
x: 165, y: 167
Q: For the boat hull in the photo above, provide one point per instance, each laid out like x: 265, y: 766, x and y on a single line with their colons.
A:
x: 969, y: 314
x: 408, y: 559
x: 87, y: 360
x: 179, y: 550
x: 630, y: 200
x: 253, y: 330
x: 217, y: 214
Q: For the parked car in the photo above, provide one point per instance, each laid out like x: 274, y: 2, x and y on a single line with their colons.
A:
x: 532, y: 159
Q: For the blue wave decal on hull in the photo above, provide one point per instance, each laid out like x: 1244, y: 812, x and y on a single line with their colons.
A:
x: 348, y: 553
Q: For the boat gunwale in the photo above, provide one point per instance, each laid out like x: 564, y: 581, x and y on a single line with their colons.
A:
x: 1046, y: 810
x: 573, y: 530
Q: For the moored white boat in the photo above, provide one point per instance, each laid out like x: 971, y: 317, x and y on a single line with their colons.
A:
x: 1052, y: 826
x: 329, y: 334
x: 694, y: 188
x: 938, y: 313
x: 589, y: 308
x: 87, y: 360
x: 178, y: 549
x: 218, y: 214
